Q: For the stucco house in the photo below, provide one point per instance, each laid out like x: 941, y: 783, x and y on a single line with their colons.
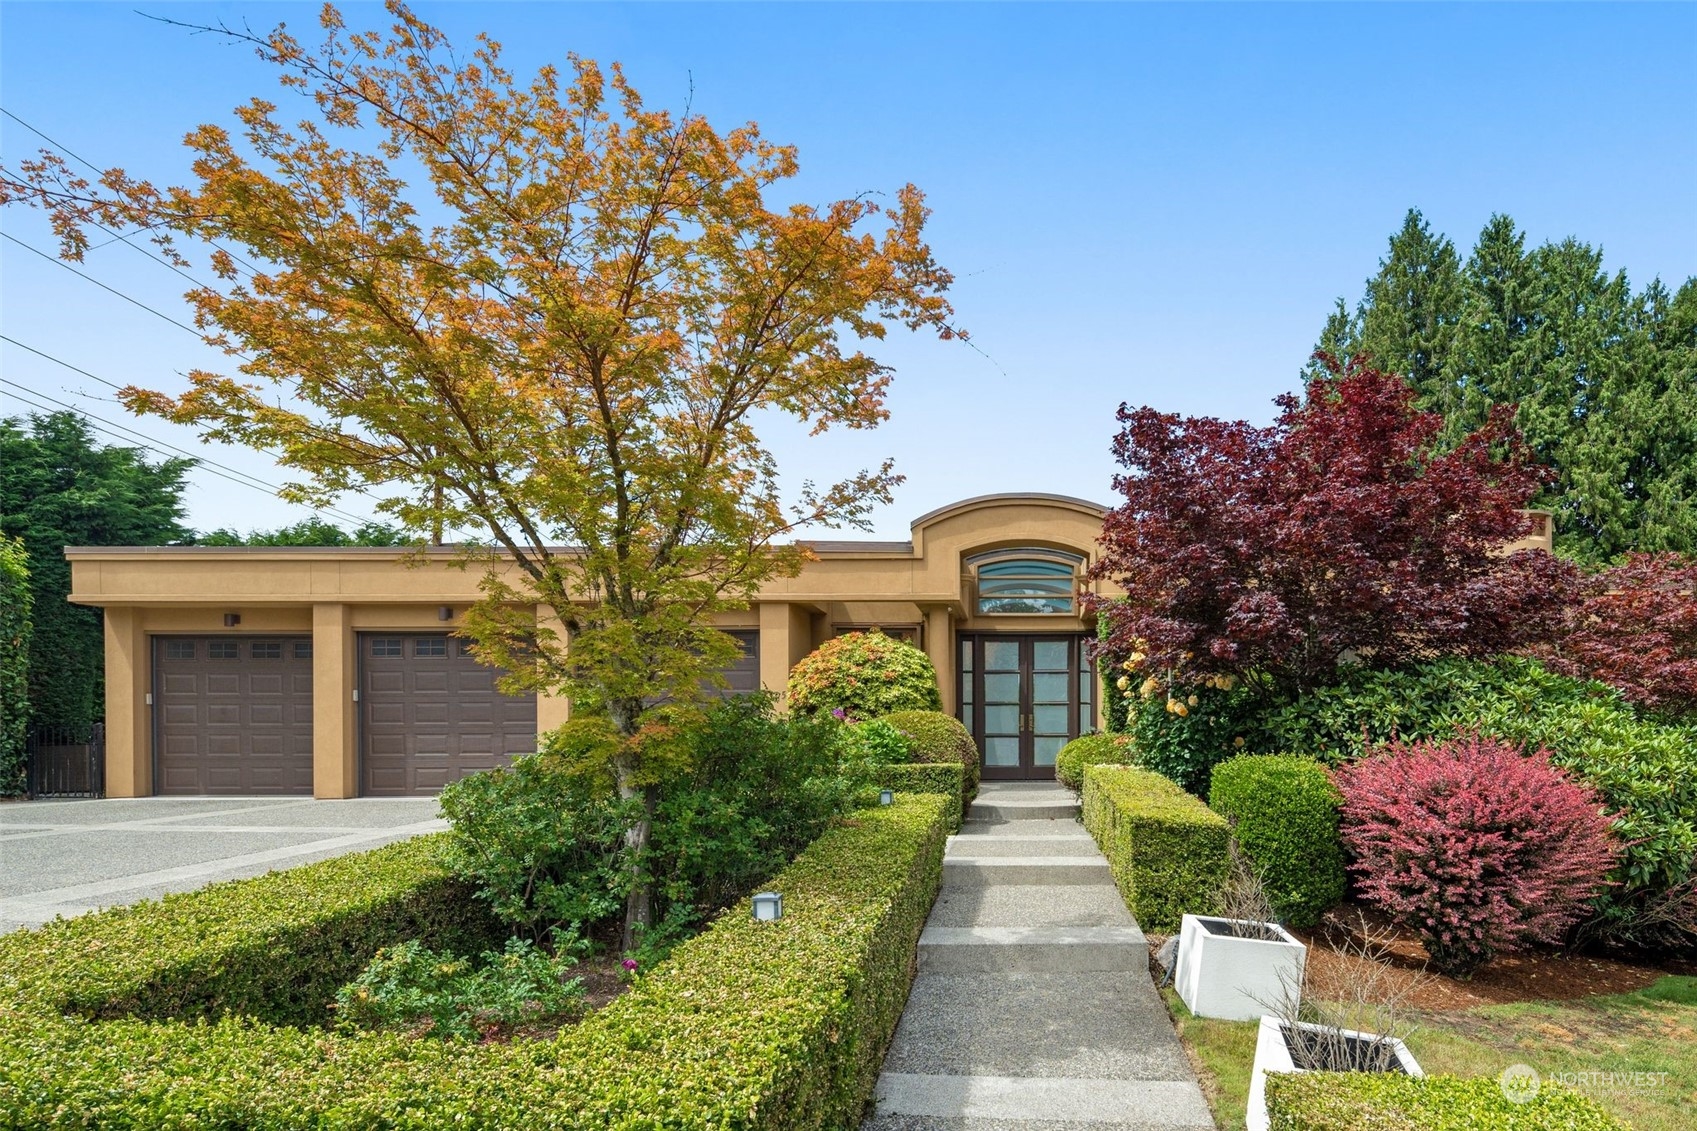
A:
x: 334, y: 671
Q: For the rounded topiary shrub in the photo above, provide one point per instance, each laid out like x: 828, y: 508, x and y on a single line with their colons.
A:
x: 935, y: 737
x: 1091, y: 750
x: 1284, y: 812
x: 863, y: 675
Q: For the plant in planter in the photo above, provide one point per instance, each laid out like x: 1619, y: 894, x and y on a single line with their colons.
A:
x: 1229, y: 964
x: 1355, y: 1020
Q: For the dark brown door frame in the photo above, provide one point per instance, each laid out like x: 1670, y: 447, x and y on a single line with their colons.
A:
x: 1081, y: 711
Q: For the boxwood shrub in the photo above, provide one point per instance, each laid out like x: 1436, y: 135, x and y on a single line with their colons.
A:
x: 935, y: 737
x: 1284, y: 813
x: 1090, y: 750
x: 1372, y: 1101
x: 750, y: 1025
x: 915, y: 777
x: 1167, y: 849
x: 276, y: 947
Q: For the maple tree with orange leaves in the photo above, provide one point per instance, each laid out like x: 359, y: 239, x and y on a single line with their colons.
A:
x: 538, y: 310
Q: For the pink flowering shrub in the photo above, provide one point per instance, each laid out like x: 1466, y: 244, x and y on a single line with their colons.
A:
x: 1473, y: 845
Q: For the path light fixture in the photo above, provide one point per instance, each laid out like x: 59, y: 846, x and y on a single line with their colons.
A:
x: 885, y: 797
x: 768, y: 906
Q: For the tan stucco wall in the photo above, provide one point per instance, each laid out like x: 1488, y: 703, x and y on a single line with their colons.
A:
x: 333, y: 593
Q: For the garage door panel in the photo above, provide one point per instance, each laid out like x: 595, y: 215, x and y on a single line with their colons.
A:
x: 379, y: 681
x: 430, y: 714
x: 233, y: 715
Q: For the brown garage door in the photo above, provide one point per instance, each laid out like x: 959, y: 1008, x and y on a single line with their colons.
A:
x: 743, y: 675
x: 232, y: 714
x: 430, y: 714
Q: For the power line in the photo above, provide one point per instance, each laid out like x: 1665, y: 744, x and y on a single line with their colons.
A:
x: 57, y: 262
x: 160, y: 448
x: 97, y: 170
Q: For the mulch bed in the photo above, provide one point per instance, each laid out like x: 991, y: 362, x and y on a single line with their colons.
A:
x: 1528, y: 976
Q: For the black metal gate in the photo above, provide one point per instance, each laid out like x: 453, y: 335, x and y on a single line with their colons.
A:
x: 67, y: 761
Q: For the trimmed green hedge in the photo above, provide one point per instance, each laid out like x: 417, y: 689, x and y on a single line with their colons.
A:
x: 1167, y: 849
x: 1091, y: 750
x: 276, y: 947
x: 1284, y: 813
x: 935, y: 737
x: 1372, y: 1101
x: 917, y: 777
x: 747, y: 1025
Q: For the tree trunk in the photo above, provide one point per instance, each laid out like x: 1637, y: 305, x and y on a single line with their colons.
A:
x: 639, y: 901
x: 639, y: 906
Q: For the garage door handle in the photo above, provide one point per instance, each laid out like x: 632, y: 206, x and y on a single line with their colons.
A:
x: 356, y: 695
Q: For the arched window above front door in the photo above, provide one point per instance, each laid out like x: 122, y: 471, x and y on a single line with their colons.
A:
x: 1026, y: 582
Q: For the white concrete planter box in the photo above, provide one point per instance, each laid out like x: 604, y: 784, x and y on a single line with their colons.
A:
x: 1236, y: 976
x: 1273, y: 1055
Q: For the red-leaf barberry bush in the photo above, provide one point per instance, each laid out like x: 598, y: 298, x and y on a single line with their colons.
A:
x: 1475, y: 846
x: 1635, y: 628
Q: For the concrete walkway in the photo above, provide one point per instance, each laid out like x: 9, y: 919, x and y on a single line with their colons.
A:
x: 1033, y: 1009
x: 68, y: 857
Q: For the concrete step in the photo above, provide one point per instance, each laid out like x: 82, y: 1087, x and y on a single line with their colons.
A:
x: 1024, y: 809
x: 1056, y: 844
x: 919, y: 1102
x: 1030, y: 905
x: 1075, y: 1025
x: 997, y: 870
x: 1042, y: 827
x: 988, y: 950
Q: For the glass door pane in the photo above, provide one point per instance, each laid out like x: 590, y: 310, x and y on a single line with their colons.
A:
x: 1052, y: 699
x: 1003, y: 703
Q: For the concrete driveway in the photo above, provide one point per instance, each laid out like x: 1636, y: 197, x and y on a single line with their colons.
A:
x: 68, y: 857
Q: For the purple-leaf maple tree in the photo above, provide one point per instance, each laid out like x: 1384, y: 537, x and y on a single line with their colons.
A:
x: 1341, y: 533
x: 1635, y: 627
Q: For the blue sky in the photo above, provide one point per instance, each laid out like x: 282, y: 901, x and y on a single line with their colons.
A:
x: 1145, y: 203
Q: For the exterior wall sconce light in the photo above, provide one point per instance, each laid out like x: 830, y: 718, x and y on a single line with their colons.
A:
x: 885, y: 797
x: 768, y: 906
x: 445, y: 612
x: 231, y: 620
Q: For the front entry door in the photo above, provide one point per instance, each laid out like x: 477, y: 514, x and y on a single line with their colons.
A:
x: 1023, y: 698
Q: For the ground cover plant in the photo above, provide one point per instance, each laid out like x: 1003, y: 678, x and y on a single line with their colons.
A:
x: 1362, y: 1101
x: 413, y: 988
x: 764, y: 1025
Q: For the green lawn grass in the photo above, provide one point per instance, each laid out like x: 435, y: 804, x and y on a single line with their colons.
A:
x: 1635, y: 1054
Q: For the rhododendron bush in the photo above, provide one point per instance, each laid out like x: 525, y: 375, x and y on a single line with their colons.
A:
x: 1635, y: 628
x: 1340, y: 532
x: 1474, y: 846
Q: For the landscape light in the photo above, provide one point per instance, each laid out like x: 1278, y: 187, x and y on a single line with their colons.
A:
x: 768, y: 905
x: 885, y: 797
